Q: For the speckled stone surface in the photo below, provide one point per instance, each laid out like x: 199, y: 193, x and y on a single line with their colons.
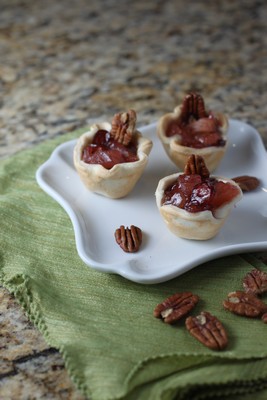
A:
x: 65, y: 64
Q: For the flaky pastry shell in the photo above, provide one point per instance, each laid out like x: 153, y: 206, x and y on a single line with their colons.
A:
x: 200, y: 225
x: 118, y: 181
x: 179, y: 154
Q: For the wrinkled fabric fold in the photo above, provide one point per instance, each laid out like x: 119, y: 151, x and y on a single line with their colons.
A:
x: 103, y: 324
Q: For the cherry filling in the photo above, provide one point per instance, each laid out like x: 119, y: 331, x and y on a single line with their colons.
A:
x: 197, y: 133
x: 106, y: 151
x: 194, y: 193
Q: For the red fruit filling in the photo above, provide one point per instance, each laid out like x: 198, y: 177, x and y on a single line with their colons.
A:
x: 194, y: 193
x: 198, y: 134
x: 106, y: 151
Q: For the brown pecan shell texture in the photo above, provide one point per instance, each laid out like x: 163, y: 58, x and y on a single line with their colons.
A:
x: 196, y: 165
x: 193, y: 106
x: 208, y: 330
x: 129, y: 239
x: 255, y: 282
x: 246, y: 182
x: 245, y: 304
x: 176, y: 307
x: 123, y: 127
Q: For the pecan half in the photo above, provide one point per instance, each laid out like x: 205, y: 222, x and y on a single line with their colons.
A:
x: 244, y: 304
x: 129, y: 239
x: 123, y: 127
x: 255, y: 282
x: 193, y: 106
x: 175, y: 307
x: 196, y: 165
x: 246, y: 182
x: 208, y: 330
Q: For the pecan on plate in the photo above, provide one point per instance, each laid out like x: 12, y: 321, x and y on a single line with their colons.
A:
x: 176, y: 307
x: 196, y: 165
x: 123, y: 127
x: 246, y: 182
x: 208, y: 330
x: 129, y: 239
x: 244, y: 304
x: 255, y: 282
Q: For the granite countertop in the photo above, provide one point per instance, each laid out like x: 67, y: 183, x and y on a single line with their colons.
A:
x: 66, y: 64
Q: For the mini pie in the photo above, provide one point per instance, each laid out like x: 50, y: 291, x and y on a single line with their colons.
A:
x: 190, y: 129
x: 117, y: 180
x: 196, y: 210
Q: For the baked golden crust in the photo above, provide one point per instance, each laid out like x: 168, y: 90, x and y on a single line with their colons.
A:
x: 198, y: 226
x: 179, y: 153
x: 118, y: 181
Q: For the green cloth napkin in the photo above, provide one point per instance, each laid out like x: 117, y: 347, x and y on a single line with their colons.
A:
x: 103, y: 324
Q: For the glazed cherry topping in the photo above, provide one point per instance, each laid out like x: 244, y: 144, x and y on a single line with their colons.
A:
x: 106, y: 151
x: 200, y: 133
x: 194, y: 193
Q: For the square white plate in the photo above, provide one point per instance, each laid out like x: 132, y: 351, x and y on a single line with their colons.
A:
x: 162, y: 255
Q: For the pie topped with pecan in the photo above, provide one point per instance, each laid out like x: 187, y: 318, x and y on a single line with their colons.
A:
x: 193, y: 204
x: 110, y: 158
x: 190, y: 129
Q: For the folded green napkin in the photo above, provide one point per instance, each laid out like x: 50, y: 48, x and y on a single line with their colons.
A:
x: 103, y: 324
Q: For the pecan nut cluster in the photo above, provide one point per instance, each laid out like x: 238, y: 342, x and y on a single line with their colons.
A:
x: 129, y: 239
x: 247, y: 303
x: 206, y: 328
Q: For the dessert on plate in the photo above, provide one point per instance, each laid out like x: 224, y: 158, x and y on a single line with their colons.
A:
x: 190, y: 129
x: 194, y: 204
x: 111, y: 157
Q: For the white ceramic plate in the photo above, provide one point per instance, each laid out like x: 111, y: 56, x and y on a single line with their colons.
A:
x: 162, y: 255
